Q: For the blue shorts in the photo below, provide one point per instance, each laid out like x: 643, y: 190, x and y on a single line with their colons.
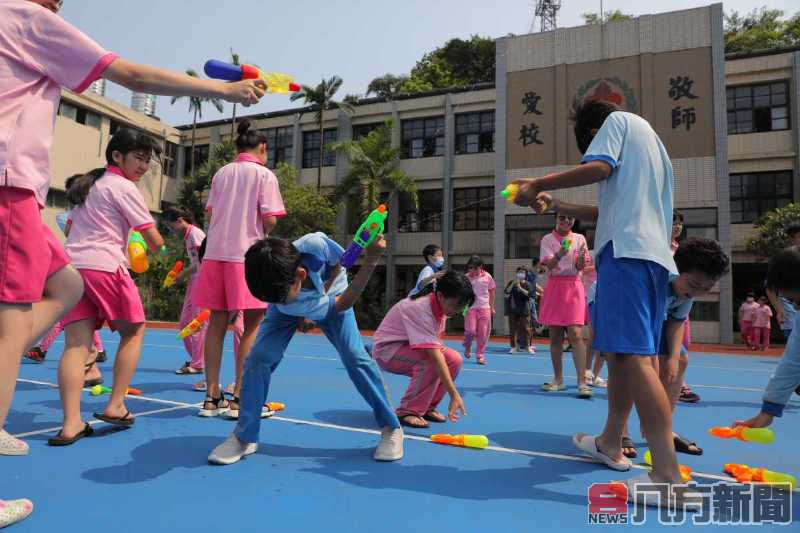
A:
x: 632, y: 294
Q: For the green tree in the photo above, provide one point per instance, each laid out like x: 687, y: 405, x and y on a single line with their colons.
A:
x: 160, y: 303
x: 760, y: 29
x: 306, y: 209
x: 770, y: 236
x: 196, y: 108
x: 320, y: 98
x: 457, y: 63
x: 386, y: 86
x: 191, y: 191
x: 609, y: 16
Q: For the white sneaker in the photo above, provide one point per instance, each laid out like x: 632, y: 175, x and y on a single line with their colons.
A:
x: 599, y: 382
x: 12, y: 511
x: 531, y: 349
x: 589, y: 376
x: 11, y: 445
x: 231, y: 451
x: 390, y: 448
x: 512, y: 350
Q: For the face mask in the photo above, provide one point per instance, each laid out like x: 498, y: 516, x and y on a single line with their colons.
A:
x: 520, y: 276
x: 439, y: 263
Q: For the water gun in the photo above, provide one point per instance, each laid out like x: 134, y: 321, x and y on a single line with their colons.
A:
x: 173, y: 274
x: 510, y: 192
x: 365, y: 235
x: 467, y: 441
x: 745, y: 474
x: 97, y: 390
x: 686, y: 472
x: 137, y: 253
x: 193, y: 326
x: 275, y: 406
x: 566, y: 244
x: 744, y: 433
x: 276, y: 82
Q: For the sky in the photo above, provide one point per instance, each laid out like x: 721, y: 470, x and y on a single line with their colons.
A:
x: 357, y: 40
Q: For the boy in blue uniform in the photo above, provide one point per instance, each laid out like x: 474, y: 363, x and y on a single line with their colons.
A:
x: 434, y: 263
x: 626, y: 158
x: 303, y: 280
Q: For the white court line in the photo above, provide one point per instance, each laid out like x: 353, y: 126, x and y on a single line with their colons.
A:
x: 299, y: 421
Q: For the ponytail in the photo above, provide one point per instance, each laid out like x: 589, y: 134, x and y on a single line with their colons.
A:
x: 79, y: 191
x: 248, y: 139
x: 452, y: 284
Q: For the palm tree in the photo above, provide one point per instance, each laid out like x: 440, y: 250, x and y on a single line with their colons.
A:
x: 386, y: 86
x: 235, y: 61
x: 320, y: 98
x: 196, y: 107
x: 373, y: 167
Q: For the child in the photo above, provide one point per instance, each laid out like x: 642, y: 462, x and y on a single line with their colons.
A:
x: 182, y: 223
x: 109, y: 206
x: 42, y: 53
x: 244, y: 204
x: 434, y: 262
x: 478, y: 321
x: 762, y: 323
x: 784, y: 310
x: 633, y: 263
x: 408, y: 342
x: 783, y: 279
x: 518, y: 295
x: 687, y: 394
x: 304, y: 280
x: 532, y: 302
x: 564, y: 300
x: 746, y: 316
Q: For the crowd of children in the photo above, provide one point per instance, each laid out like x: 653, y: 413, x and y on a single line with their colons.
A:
x: 632, y: 291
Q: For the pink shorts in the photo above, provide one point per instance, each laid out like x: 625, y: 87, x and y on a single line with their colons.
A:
x: 29, y: 252
x: 221, y: 286
x: 107, y: 296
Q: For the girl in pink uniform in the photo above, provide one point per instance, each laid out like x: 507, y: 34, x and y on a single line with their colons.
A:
x: 478, y: 322
x: 408, y: 342
x: 109, y: 206
x: 563, y: 307
x: 182, y: 223
x: 746, y: 316
x: 244, y: 204
x: 762, y: 324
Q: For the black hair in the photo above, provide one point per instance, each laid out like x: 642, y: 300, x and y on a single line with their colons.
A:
x: 70, y: 181
x: 270, y: 266
x: 535, y: 261
x: 677, y: 215
x: 792, y: 228
x: 452, y: 284
x: 248, y: 139
x: 698, y: 254
x: 474, y: 262
x: 430, y: 250
x: 124, y: 141
x: 525, y: 269
x: 201, y: 252
x: 173, y: 214
x: 782, y: 270
x: 589, y: 116
x: 751, y: 295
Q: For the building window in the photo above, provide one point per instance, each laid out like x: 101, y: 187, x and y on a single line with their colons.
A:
x: 704, y: 312
x: 362, y: 130
x: 473, y: 209
x: 200, y: 156
x: 171, y: 160
x: 79, y: 115
x: 524, y: 234
x: 423, y: 137
x: 427, y: 218
x: 475, y: 132
x: 311, y: 149
x: 280, y: 146
x: 699, y: 223
x: 755, y: 108
x: 752, y: 195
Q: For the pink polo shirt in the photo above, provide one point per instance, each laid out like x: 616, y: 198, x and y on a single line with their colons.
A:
x: 416, y: 323
x: 100, y: 227
x: 242, y: 193
x: 39, y: 52
x: 193, y: 238
x: 747, y: 310
x: 762, y: 316
x: 550, y: 245
x: 481, y: 285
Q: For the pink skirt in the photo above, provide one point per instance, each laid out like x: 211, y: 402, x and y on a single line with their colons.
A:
x: 221, y: 286
x: 563, y: 302
x: 107, y: 296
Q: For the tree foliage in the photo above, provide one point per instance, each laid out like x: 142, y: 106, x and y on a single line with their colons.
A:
x: 760, y: 29
x: 609, y: 16
x: 457, y: 63
x: 386, y: 86
x: 307, y: 210
x: 770, y: 228
x: 192, y: 188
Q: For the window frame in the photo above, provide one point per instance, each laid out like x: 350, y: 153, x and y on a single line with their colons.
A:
x: 475, y: 124
x: 422, y: 136
x: 475, y: 212
x: 743, y: 195
x: 280, y: 146
x: 428, y: 217
x: 745, y: 107
x: 312, y: 148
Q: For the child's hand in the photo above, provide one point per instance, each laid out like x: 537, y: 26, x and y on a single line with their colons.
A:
x: 672, y: 369
x: 304, y: 325
x: 544, y: 202
x: 456, y: 405
x: 245, y: 92
x: 761, y: 420
x: 528, y: 189
x: 376, y: 249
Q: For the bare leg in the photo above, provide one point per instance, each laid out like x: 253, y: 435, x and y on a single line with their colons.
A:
x: 78, y: 344
x: 620, y: 403
x: 556, y: 352
x: 128, y: 353
x: 215, y: 336
x: 62, y: 291
x: 578, y: 352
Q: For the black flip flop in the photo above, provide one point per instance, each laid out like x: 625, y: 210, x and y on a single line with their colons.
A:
x: 89, y: 383
x: 404, y: 423
x: 125, y: 420
x: 684, y: 445
x: 628, y: 443
x: 430, y: 418
x: 59, y: 440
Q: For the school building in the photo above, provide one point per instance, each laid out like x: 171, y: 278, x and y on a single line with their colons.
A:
x: 729, y: 123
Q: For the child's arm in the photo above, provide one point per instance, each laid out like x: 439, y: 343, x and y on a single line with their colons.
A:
x: 580, y: 262
x: 268, y: 223
x: 491, y: 300
x: 546, y: 202
x: 145, y: 79
x: 673, y: 332
x: 456, y: 403
x: 153, y: 239
x: 586, y: 174
x: 359, y: 283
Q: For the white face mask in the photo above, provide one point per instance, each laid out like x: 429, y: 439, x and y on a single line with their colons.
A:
x: 520, y: 276
x: 439, y: 263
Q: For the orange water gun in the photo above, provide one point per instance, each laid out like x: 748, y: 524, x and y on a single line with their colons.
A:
x: 467, y: 441
x: 744, y: 433
x: 97, y: 390
x: 172, y: 276
x: 745, y: 474
x: 686, y: 472
x: 193, y: 326
x: 275, y: 406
